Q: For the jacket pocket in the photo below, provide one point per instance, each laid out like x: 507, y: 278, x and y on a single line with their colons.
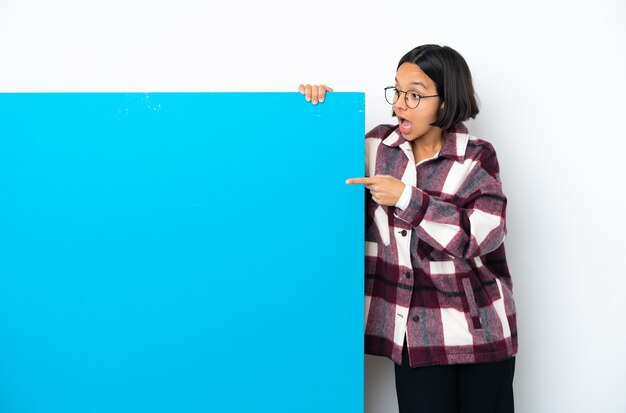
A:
x: 471, y: 303
x: 382, y: 223
x: 453, y: 279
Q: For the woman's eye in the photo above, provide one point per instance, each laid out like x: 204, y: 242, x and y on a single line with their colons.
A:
x: 414, y: 95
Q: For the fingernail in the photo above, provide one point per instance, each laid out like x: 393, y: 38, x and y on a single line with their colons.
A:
x: 315, y: 102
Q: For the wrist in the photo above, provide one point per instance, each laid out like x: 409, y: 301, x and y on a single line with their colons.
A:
x: 405, y: 197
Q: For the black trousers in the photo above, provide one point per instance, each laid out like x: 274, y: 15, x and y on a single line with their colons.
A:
x: 463, y: 388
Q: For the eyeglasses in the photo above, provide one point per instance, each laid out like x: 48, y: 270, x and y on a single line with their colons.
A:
x: 411, y: 97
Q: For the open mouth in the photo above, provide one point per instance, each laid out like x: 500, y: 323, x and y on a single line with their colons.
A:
x: 404, y: 126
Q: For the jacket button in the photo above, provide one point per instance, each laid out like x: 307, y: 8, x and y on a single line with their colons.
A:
x: 416, y: 318
x: 403, y: 232
x: 408, y: 275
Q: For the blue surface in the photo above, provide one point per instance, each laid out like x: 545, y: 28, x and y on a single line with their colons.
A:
x: 180, y: 252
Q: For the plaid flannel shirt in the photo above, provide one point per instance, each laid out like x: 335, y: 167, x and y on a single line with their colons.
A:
x: 435, y: 271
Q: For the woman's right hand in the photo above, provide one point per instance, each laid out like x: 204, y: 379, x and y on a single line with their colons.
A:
x: 314, y: 93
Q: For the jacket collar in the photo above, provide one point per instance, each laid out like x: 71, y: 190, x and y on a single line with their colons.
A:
x: 453, y: 148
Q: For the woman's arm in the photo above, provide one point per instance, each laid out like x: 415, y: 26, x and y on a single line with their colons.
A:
x: 472, y: 225
x: 475, y: 227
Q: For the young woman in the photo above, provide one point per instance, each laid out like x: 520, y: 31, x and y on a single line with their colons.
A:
x: 438, y: 293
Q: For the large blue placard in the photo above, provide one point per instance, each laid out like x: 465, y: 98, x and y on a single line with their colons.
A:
x: 180, y: 252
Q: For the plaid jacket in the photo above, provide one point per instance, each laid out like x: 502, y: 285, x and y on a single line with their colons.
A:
x: 436, y: 271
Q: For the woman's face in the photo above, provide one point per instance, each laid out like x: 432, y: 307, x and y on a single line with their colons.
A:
x: 415, y: 123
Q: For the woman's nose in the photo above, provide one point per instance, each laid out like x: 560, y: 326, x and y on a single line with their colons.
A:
x: 400, y: 103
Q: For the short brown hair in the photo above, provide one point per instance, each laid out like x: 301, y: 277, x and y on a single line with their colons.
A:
x: 449, y: 70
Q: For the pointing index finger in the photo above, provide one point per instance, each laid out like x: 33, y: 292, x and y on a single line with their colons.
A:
x: 362, y: 181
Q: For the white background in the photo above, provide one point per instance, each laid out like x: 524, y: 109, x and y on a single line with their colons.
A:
x: 550, y: 78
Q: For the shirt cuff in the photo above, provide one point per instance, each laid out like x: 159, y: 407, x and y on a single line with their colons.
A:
x: 405, y: 198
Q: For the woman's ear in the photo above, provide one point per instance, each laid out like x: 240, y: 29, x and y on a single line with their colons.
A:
x: 442, y: 106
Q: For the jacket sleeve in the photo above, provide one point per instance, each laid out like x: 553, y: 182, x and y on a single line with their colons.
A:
x: 468, y: 224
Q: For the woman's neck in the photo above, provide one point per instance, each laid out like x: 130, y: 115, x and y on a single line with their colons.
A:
x: 427, y: 146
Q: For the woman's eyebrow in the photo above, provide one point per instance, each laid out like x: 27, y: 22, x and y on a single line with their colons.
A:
x: 415, y: 83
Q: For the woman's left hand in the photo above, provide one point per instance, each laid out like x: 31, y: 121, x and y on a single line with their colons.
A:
x: 386, y: 189
x: 314, y: 93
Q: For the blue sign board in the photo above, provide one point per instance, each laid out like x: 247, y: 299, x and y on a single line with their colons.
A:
x: 180, y: 252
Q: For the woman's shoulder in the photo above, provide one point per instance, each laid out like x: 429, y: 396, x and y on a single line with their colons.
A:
x: 473, y: 144
x: 479, y: 145
x: 483, y: 151
x: 474, y: 148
